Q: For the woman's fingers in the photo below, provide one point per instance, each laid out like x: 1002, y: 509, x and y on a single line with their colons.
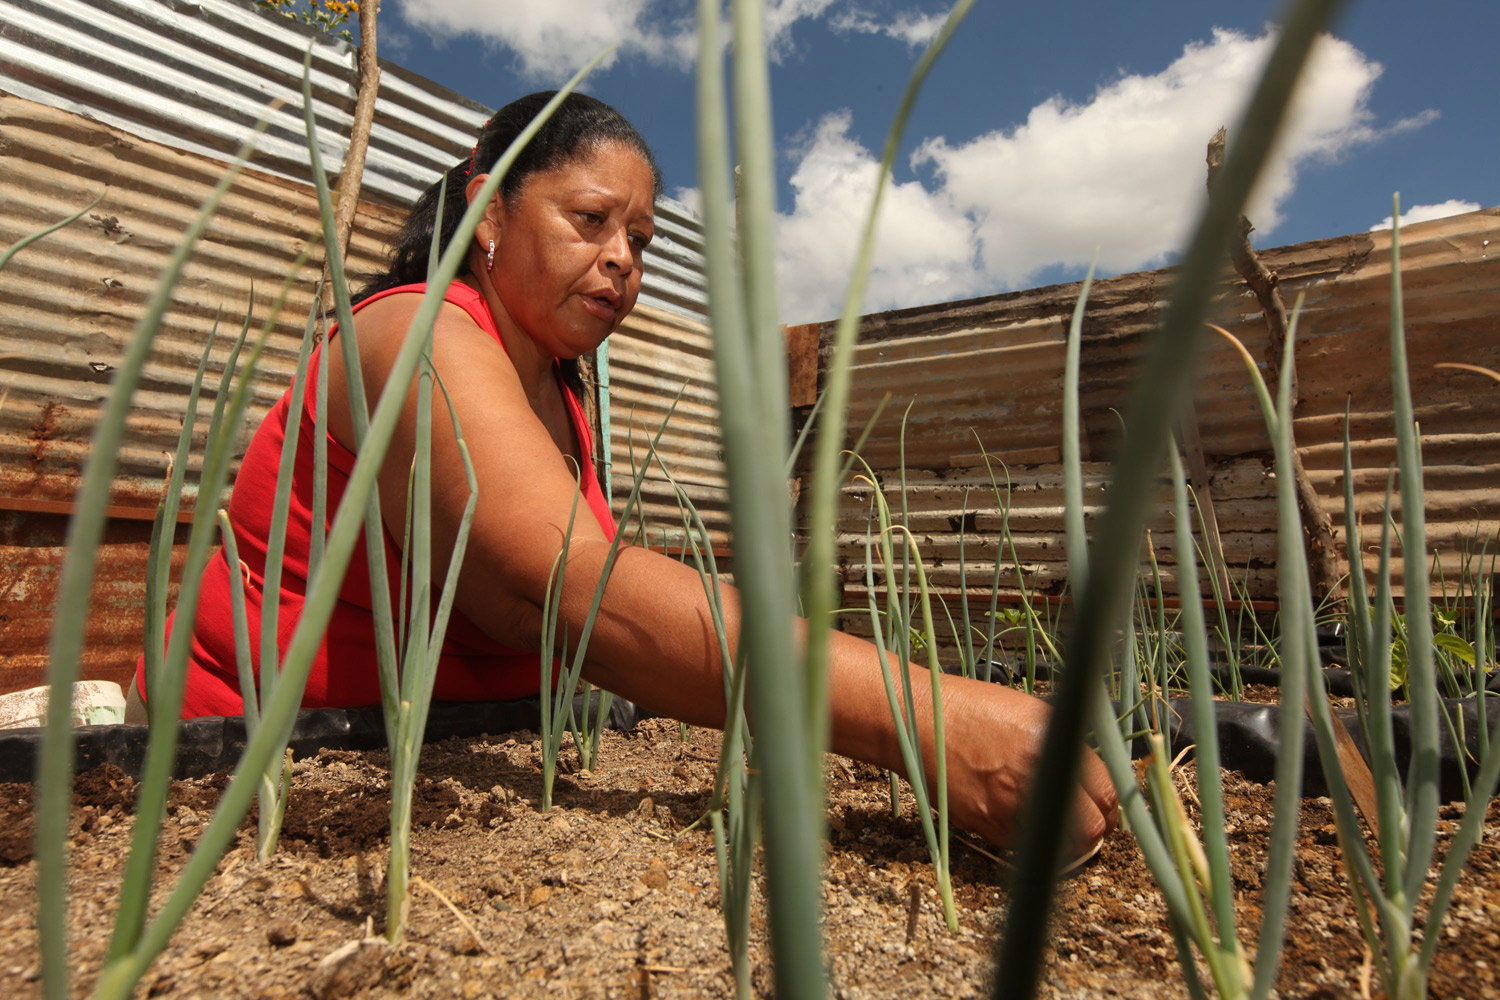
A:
x: 1090, y: 825
x: 1096, y: 784
x: 1016, y: 729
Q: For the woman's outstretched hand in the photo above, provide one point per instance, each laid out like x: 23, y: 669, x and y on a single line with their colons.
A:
x: 994, y: 735
x: 994, y: 740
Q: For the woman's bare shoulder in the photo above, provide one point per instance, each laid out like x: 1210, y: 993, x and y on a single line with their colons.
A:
x: 381, y: 328
x: 390, y: 316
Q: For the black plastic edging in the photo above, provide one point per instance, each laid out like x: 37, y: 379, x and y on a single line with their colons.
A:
x: 213, y: 744
x: 1248, y: 733
x: 1247, y: 737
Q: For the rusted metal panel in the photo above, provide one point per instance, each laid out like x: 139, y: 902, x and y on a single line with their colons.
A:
x: 802, y: 364
x: 71, y: 301
x: 660, y: 363
x: 674, y: 280
x: 987, y: 373
x: 31, y: 554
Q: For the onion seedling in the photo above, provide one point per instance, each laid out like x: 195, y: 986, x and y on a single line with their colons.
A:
x: 790, y: 704
x: 734, y: 809
x: 933, y: 817
x: 1027, y: 619
x: 1102, y: 578
x: 752, y: 398
x: 85, y: 530
x: 1405, y: 814
x: 557, y: 702
x: 276, y: 781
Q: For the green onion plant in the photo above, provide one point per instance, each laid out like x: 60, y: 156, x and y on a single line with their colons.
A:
x: 407, y: 683
x: 734, y: 808
x: 1038, y: 629
x: 276, y: 781
x: 790, y: 703
x: 1193, y: 872
x: 1389, y: 902
x: 752, y: 395
x: 557, y: 701
x: 1102, y: 576
x: 932, y: 815
x: 55, y: 764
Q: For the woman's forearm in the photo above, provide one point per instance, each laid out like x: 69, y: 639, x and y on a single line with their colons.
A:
x: 655, y: 644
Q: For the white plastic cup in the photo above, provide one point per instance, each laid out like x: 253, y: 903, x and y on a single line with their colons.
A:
x: 95, y: 703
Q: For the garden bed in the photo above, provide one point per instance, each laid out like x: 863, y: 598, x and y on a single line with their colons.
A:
x: 610, y: 896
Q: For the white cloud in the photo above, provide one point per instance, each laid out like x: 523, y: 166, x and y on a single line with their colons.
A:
x: 782, y: 15
x: 1122, y: 171
x: 1426, y: 213
x: 925, y: 248
x: 551, y: 39
x: 910, y: 26
x: 691, y: 197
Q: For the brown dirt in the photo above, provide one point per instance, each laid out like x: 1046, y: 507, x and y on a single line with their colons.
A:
x: 610, y: 895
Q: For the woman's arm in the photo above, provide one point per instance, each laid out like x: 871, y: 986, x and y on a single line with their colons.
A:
x: 654, y: 644
x: 653, y: 641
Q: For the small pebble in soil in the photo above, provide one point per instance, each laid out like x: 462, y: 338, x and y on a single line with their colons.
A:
x: 350, y: 969
x: 656, y: 874
x: 281, y: 933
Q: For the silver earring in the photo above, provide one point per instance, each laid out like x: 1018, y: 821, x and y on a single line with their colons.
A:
x: 489, y: 258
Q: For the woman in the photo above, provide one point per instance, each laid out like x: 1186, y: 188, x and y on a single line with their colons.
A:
x: 554, y: 266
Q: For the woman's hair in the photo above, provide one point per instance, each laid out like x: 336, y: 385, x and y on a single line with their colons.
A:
x: 580, y: 125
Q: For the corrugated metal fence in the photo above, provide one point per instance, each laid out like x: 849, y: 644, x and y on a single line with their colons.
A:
x: 987, y: 374
x: 142, y: 102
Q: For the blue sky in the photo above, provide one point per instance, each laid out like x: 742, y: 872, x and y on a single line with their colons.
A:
x: 1045, y: 131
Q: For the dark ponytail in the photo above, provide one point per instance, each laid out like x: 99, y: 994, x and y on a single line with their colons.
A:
x: 580, y: 125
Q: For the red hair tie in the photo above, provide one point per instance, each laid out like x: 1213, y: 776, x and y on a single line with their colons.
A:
x: 475, y: 154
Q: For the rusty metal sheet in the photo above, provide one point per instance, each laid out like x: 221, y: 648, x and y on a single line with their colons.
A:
x: 987, y: 373
x: 71, y: 301
x: 196, y: 76
x: 31, y: 553
x: 656, y: 358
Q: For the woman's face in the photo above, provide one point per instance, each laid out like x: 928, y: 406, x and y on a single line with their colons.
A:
x: 568, y: 251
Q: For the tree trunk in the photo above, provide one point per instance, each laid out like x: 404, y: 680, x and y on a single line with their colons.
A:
x: 1316, y: 524
x: 351, y: 176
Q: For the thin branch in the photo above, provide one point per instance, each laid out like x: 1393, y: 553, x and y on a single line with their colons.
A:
x: 1265, y: 283
x: 352, y: 175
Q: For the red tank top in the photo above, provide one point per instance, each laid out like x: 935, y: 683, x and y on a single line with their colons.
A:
x: 473, y: 667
